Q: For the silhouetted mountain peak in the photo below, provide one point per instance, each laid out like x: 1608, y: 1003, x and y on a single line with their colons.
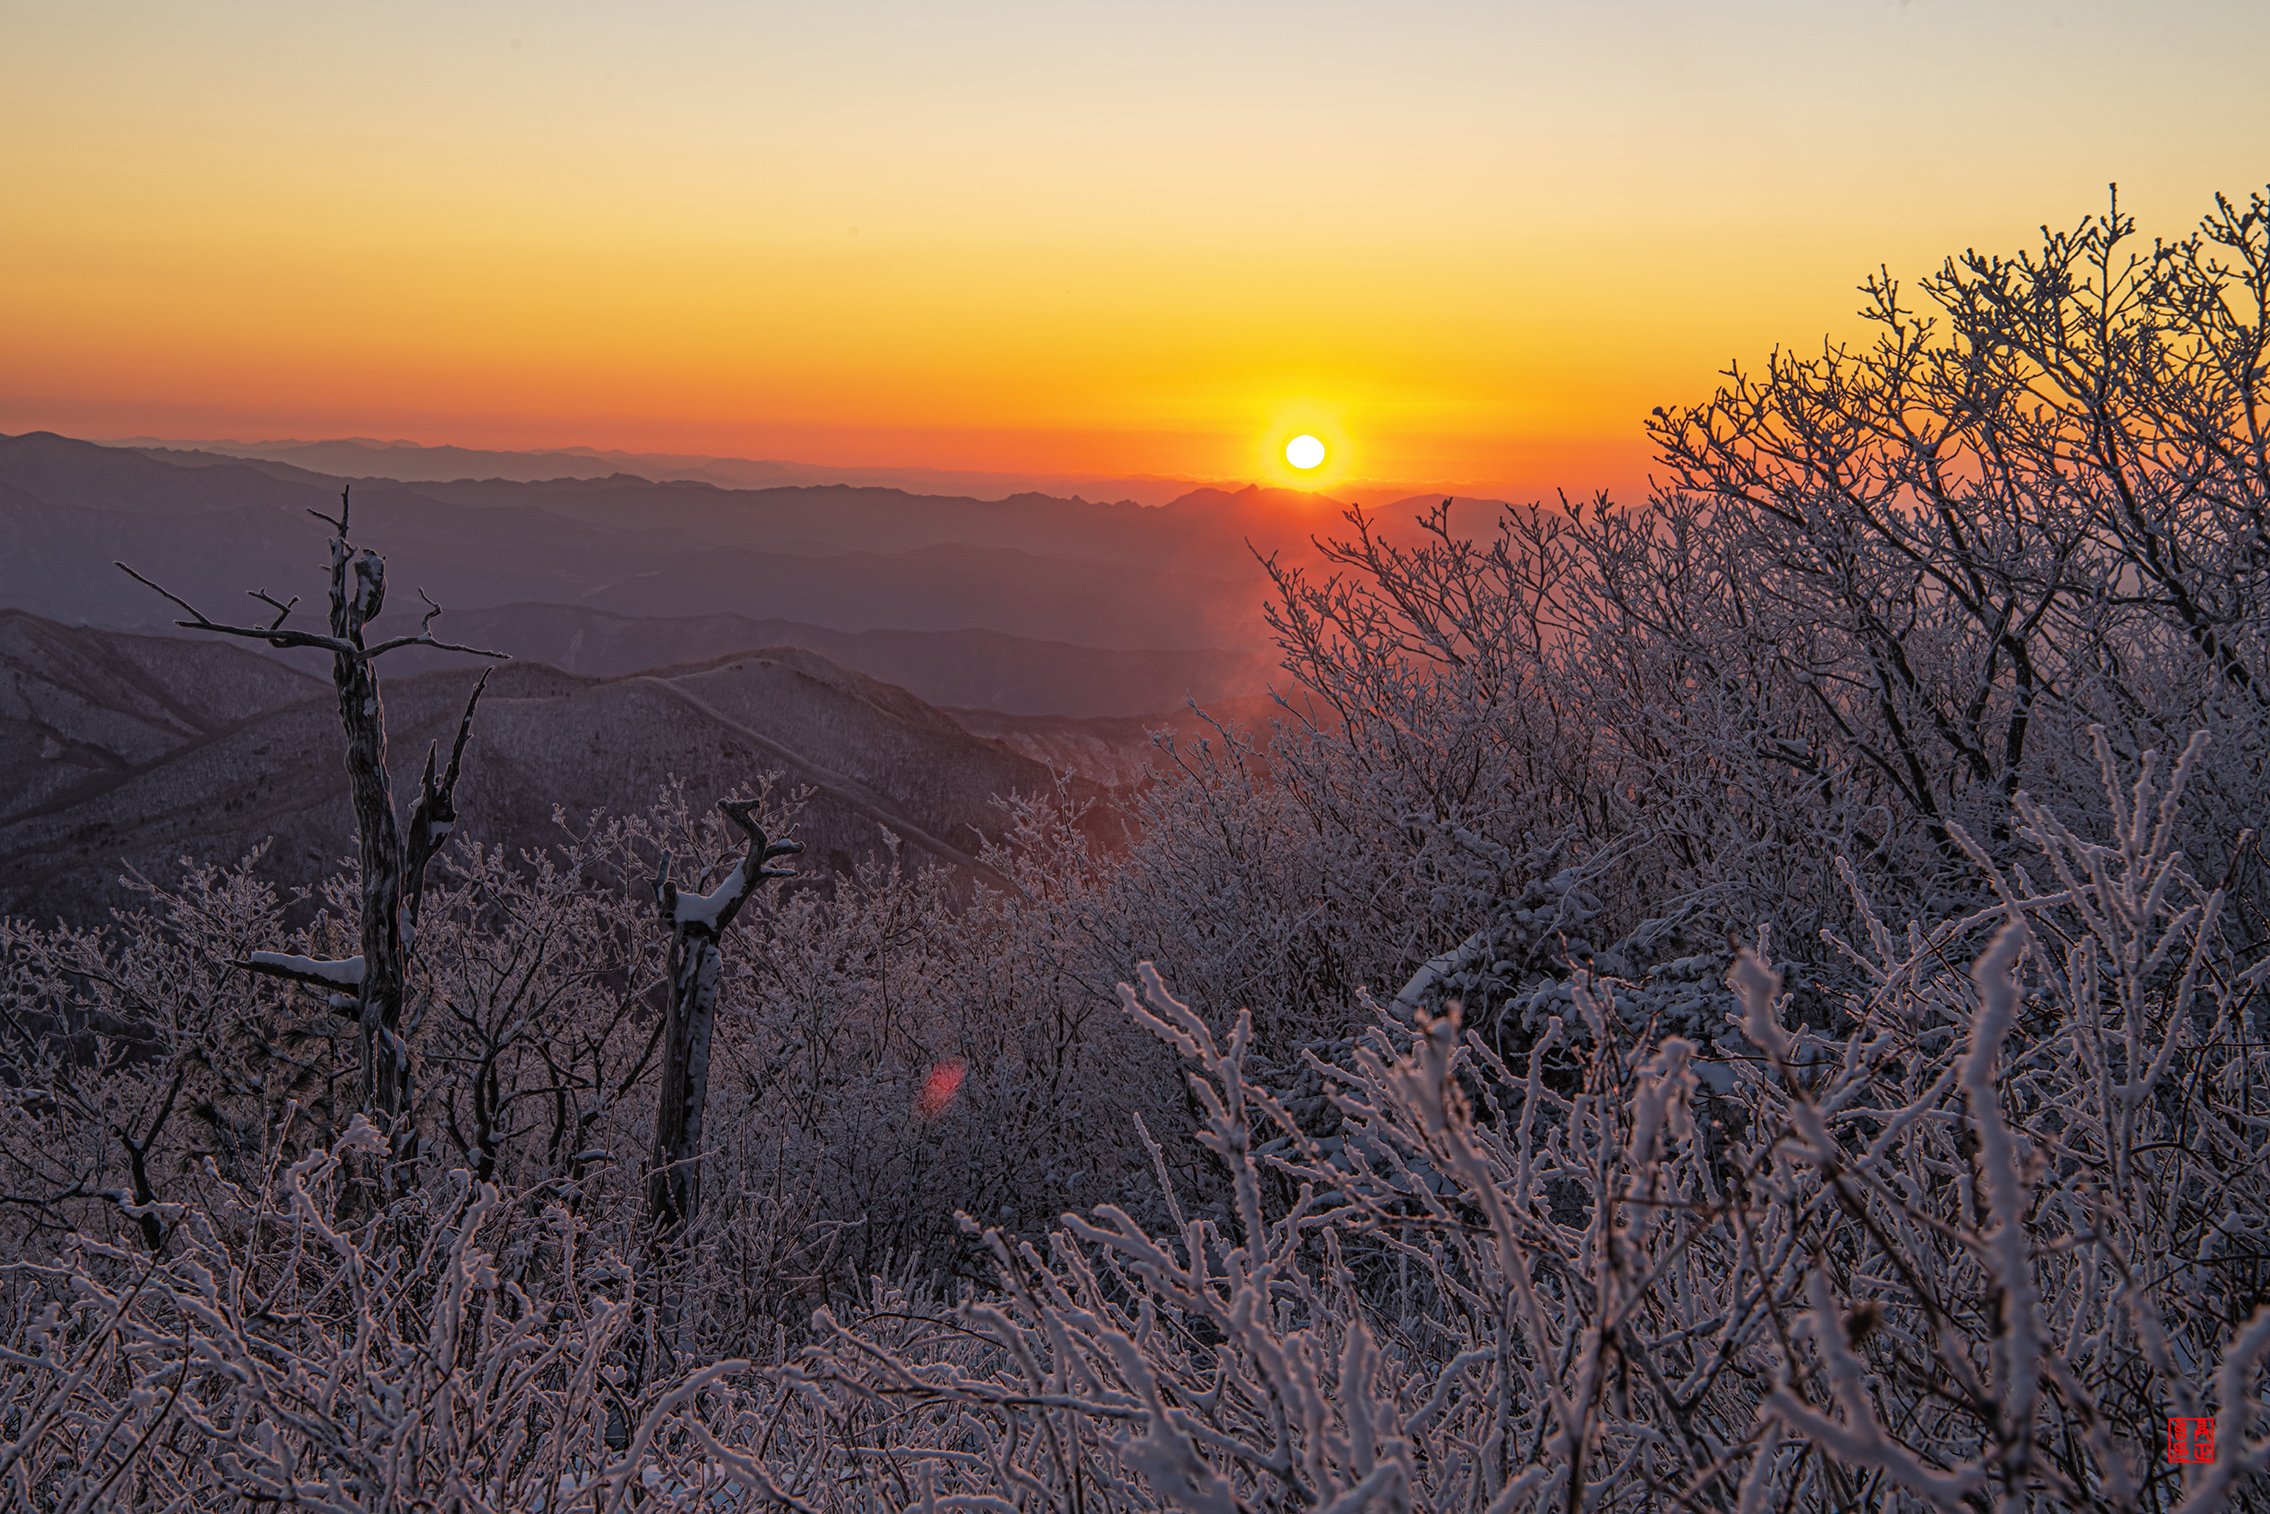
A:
x: 1255, y: 496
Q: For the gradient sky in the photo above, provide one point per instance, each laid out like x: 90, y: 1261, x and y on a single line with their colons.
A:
x: 1467, y: 244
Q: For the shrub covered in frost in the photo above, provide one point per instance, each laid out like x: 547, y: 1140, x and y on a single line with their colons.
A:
x: 1973, y: 1250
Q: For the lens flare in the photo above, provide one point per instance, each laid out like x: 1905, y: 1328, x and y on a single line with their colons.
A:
x: 939, y: 1087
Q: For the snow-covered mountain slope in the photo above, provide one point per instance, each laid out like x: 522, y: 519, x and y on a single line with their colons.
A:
x: 165, y: 758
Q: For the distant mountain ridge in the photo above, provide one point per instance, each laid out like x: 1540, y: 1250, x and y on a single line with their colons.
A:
x: 410, y: 462
x: 1115, y: 576
x: 121, y: 752
x: 76, y: 707
x: 1027, y: 606
x: 967, y: 669
x: 707, y: 634
x: 1119, y: 751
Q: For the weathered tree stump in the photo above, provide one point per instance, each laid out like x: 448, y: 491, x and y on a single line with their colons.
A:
x: 697, y: 924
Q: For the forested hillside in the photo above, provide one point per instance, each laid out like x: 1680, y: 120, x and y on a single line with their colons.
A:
x: 1749, y: 999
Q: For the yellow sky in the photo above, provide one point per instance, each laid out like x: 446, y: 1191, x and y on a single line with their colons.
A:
x: 1468, y: 244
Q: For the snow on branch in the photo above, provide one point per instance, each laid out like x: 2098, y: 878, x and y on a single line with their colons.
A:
x: 343, y: 973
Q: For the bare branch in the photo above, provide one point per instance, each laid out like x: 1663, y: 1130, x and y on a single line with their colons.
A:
x: 282, y: 608
x: 276, y: 636
x: 427, y: 641
x: 271, y: 634
x: 434, y: 815
x: 199, y: 615
x: 752, y: 874
x: 338, y: 523
x: 464, y: 729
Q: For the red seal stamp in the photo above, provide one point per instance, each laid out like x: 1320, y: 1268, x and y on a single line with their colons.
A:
x: 2191, y: 1440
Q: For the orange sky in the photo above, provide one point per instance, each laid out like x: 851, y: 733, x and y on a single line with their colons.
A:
x: 1468, y: 244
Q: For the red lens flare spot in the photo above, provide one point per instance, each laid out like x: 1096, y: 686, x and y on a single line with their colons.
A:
x: 939, y: 1087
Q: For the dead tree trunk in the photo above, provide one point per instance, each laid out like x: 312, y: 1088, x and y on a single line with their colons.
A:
x: 393, y: 863
x: 358, y: 589
x: 697, y: 924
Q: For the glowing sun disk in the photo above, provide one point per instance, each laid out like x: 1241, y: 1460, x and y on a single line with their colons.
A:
x: 1304, y: 452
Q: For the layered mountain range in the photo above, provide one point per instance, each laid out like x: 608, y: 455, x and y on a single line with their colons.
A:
x: 907, y: 659
x: 406, y: 461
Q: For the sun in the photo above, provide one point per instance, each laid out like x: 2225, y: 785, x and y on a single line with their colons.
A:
x: 1303, y: 444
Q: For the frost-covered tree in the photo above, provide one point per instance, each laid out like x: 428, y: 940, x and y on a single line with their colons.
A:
x: 1881, y: 590
x: 2036, y: 502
